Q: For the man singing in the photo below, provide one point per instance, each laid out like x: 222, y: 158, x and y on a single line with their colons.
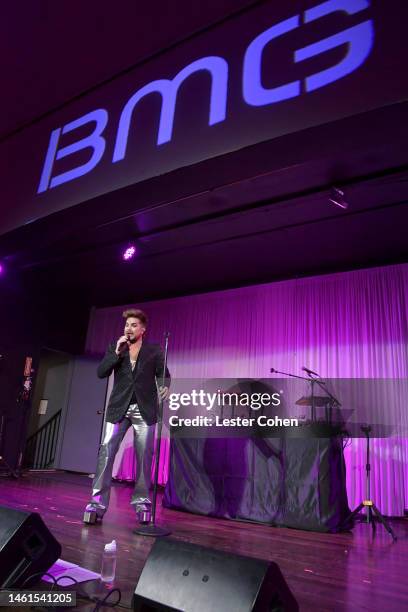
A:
x: 138, y: 371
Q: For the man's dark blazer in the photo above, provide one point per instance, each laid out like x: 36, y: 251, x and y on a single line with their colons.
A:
x: 141, y: 382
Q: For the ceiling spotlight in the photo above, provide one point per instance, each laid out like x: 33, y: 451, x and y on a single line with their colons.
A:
x: 129, y: 253
x: 337, y: 197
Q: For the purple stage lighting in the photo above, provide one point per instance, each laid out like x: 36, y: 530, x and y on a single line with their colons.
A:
x: 129, y: 253
x: 337, y: 197
x: 1, y: 268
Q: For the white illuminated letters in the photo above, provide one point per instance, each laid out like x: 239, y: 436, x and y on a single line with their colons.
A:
x: 94, y: 141
x: 253, y: 91
x: 218, y: 69
x: 358, y: 40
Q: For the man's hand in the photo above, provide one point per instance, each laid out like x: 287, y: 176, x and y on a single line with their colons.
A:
x: 121, y: 345
x: 164, y: 393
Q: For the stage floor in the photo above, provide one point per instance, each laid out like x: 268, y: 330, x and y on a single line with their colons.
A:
x: 326, y: 572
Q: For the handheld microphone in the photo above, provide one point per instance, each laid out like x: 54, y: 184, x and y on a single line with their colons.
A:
x: 124, y: 344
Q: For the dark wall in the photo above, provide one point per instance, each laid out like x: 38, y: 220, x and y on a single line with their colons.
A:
x: 30, y: 320
x: 52, y: 380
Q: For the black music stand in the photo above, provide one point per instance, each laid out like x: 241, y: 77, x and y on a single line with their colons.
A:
x: 373, y: 512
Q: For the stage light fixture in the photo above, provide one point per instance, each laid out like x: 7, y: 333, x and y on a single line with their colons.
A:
x: 1, y: 269
x: 129, y: 253
x: 337, y: 197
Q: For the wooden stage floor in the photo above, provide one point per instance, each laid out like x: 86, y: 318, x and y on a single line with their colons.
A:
x: 326, y: 572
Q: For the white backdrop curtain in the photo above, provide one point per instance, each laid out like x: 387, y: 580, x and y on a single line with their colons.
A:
x: 352, y: 324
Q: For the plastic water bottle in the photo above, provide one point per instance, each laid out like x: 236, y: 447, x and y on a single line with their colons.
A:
x: 109, y: 562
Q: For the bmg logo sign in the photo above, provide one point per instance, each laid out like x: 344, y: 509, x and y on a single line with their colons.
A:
x: 358, y: 38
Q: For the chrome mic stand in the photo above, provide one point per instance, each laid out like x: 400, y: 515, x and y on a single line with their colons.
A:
x: 152, y: 529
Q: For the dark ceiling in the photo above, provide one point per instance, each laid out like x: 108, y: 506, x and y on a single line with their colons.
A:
x: 53, y: 52
x: 253, y: 224
x: 256, y: 215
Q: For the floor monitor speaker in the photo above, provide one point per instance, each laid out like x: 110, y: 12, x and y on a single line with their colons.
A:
x: 27, y: 547
x: 182, y: 576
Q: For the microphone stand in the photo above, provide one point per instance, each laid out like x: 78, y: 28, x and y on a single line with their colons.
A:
x: 152, y: 529
x: 273, y: 371
x: 310, y: 380
x: 322, y: 384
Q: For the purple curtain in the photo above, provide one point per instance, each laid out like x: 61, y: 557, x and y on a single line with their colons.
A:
x: 352, y: 324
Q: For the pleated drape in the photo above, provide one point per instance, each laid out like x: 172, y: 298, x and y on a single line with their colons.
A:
x: 352, y: 324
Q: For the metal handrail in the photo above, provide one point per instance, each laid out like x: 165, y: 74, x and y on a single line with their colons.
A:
x: 41, y: 445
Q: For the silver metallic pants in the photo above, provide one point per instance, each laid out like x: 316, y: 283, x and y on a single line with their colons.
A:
x: 143, y: 436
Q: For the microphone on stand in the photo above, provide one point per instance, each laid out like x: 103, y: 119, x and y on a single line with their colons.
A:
x: 273, y: 370
x: 310, y: 372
